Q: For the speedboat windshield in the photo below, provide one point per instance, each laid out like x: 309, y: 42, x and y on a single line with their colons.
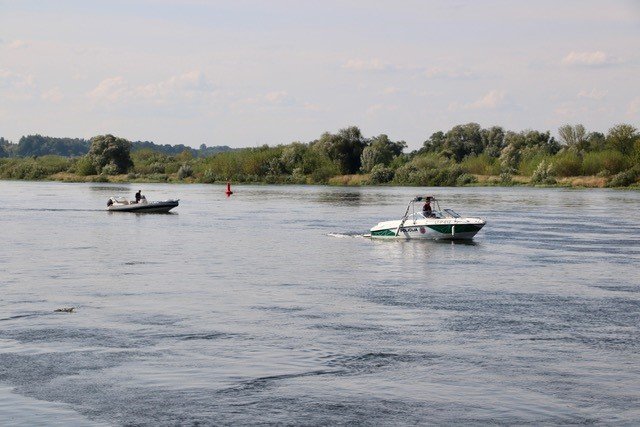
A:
x: 450, y: 213
x: 430, y: 201
x: 415, y: 216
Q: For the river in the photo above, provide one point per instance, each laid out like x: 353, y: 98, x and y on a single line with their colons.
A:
x: 269, y: 307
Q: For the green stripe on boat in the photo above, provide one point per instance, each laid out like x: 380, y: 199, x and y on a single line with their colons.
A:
x: 387, y: 232
x: 460, y: 228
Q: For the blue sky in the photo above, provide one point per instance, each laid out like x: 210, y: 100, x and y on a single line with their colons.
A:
x: 246, y: 73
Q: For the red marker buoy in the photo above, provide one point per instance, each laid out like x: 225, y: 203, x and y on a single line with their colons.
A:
x: 228, y: 192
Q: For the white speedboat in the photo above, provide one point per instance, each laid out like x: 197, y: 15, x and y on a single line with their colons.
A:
x: 121, y: 204
x: 428, y: 223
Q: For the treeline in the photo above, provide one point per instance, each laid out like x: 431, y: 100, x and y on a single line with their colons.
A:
x: 38, y: 145
x: 539, y: 156
x: 464, y: 155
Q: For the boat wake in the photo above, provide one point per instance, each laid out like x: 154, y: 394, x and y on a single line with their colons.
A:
x: 347, y: 235
x: 55, y: 210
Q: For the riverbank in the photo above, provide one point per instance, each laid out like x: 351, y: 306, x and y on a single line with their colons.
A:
x: 355, y: 180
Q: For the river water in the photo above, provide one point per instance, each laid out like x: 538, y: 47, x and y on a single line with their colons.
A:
x: 268, y: 307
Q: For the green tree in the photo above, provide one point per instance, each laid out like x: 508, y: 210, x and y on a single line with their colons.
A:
x: 381, y: 151
x: 540, y: 140
x: 110, y: 150
x: 574, y: 137
x: 596, y: 141
x: 434, y: 144
x: 464, y: 140
x: 510, y: 158
x: 622, y: 137
x: 344, y: 148
x: 493, y: 141
x: 292, y: 156
x: 381, y: 174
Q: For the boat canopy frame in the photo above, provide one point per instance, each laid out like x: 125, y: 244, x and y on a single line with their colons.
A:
x: 412, y: 207
x: 418, y: 199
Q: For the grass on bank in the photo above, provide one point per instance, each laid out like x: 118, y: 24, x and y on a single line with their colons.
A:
x: 341, y: 180
x: 606, y: 168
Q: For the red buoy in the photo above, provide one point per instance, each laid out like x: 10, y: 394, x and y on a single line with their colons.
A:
x: 228, y: 192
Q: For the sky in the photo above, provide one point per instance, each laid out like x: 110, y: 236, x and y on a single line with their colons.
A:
x: 245, y: 73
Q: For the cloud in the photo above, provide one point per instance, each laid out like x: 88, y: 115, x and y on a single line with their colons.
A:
x: 193, y: 81
x: 112, y: 89
x: 18, y: 44
x: 447, y: 73
x: 633, y: 111
x: 572, y: 110
x: 277, y: 97
x: 16, y: 86
x: 367, y: 65
x: 374, y: 109
x: 493, y: 100
x: 313, y: 107
x: 390, y: 90
x: 587, y: 59
x: 593, y: 94
x: 52, y: 95
x: 269, y: 101
x: 13, y: 80
x: 189, y: 86
x: 566, y: 111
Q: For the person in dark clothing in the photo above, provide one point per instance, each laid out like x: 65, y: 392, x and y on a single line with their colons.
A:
x: 138, y: 196
x: 426, y: 209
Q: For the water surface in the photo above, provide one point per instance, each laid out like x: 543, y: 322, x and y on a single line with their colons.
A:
x: 268, y: 307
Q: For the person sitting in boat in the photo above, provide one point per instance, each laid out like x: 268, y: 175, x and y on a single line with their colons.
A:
x: 139, y: 196
x: 426, y: 209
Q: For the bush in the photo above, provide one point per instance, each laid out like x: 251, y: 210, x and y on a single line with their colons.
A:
x: 84, y: 167
x: 595, y: 162
x: 624, y: 179
x: 481, y: 165
x: 506, y: 178
x: 29, y: 170
x: 156, y: 167
x: 466, y: 179
x: 568, y: 164
x: 110, y: 169
x: 381, y: 174
x: 322, y: 174
x: 208, y: 177
x: 32, y: 168
x: 100, y: 178
x: 297, y: 177
x: 185, y: 171
x: 543, y: 174
x: 171, y: 168
x: 444, y: 174
x: 159, y: 177
x: 529, y: 163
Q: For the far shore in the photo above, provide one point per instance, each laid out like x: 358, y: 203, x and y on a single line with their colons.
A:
x: 340, y: 180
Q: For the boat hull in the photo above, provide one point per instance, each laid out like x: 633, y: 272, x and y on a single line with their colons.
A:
x: 432, y: 230
x: 151, y: 207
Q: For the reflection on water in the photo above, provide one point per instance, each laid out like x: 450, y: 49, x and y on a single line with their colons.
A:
x: 270, y: 307
x: 340, y: 198
x: 111, y: 188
